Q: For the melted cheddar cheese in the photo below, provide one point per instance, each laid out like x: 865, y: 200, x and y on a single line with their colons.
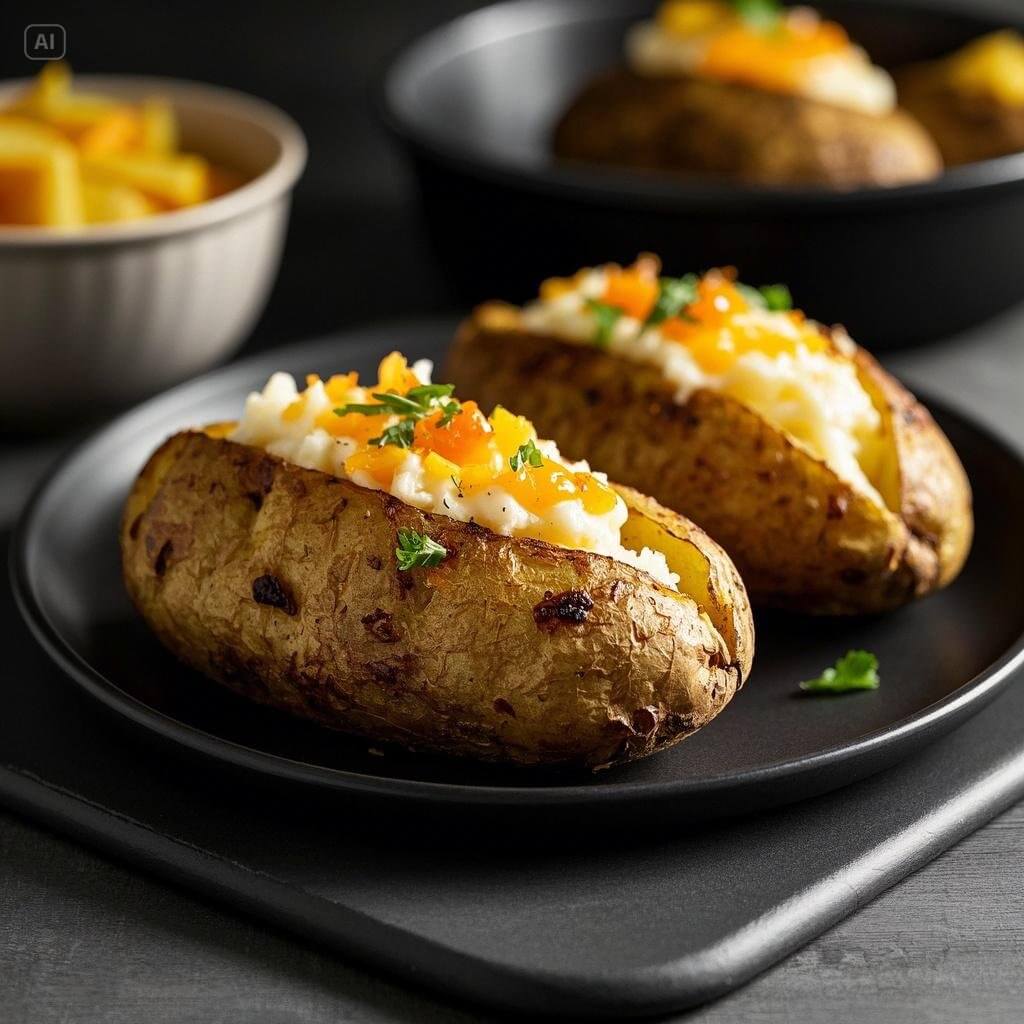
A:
x: 724, y: 339
x: 789, y: 51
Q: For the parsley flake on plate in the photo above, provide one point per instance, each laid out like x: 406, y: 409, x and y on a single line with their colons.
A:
x: 856, y: 670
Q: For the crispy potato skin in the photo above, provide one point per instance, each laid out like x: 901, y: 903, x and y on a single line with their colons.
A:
x: 801, y: 537
x: 966, y: 128
x: 281, y: 583
x: 716, y: 128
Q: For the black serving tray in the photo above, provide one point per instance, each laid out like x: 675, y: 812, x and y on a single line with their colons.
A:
x: 610, y: 925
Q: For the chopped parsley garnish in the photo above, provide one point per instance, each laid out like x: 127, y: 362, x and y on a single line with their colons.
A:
x: 761, y: 15
x: 607, y: 317
x: 398, y: 434
x: 674, y: 295
x: 418, y: 401
x: 417, y: 550
x: 528, y: 454
x: 413, y: 406
x: 856, y: 670
x: 777, y: 297
x: 773, y: 297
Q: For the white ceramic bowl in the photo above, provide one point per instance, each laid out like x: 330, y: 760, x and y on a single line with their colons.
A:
x: 106, y: 314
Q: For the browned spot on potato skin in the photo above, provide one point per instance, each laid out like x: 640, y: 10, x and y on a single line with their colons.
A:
x: 536, y: 364
x: 503, y: 707
x: 390, y: 672
x: 374, y: 562
x: 837, y: 506
x: 163, y: 557
x: 268, y: 589
x: 569, y: 606
x: 675, y: 723
x: 855, y: 577
x: 133, y: 530
x: 256, y: 480
x: 380, y: 626
x: 645, y: 721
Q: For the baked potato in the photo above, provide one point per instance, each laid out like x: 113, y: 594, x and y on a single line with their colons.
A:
x: 830, y: 486
x: 972, y: 102
x: 722, y: 129
x: 342, y: 603
x: 786, y: 101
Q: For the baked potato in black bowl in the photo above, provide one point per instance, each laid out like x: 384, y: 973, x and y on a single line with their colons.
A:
x: 475, y: 103
x: 750, y: 90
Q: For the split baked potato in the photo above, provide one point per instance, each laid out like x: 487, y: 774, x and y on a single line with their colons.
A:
x: 301, y: 589
x: 972, y: 102
x: 754, y: 92
x: 830, y: 486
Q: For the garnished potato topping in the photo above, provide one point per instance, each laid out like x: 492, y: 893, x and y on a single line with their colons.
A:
x: 991, y: 66
x: 711, y: 331
x: 760, y: 44
x: 70, y: 158
x: 417, y: 441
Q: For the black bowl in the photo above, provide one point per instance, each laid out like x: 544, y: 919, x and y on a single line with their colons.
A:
x: 475, y: 101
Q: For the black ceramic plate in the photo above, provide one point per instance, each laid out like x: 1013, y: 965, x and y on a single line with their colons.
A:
x: 941, y: 659
x: 475, y: 101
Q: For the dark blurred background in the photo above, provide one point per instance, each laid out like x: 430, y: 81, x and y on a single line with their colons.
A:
x: 355, y: 251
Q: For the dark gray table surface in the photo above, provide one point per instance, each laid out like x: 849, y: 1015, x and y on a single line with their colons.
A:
x: 82, y: 939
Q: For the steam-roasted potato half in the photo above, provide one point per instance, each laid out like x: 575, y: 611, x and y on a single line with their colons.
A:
x: 829, y: 485
x: 390, y: 562
x: 973, y: 101
x: 778, y: 98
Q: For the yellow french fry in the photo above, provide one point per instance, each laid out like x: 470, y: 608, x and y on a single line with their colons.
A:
x: 53, y: 83
x: 39, y: 176
x: 158, y: 127
x: 50, y: 87
x: 173, y: 180
x: 105, y: 202
x: 115, y: 132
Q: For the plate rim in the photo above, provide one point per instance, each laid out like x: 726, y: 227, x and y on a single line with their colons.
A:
x: 930, y: 721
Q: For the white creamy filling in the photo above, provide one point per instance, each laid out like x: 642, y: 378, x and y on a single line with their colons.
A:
x: 812, y: 396
x: 300, y: 441
x: 847, y: 79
